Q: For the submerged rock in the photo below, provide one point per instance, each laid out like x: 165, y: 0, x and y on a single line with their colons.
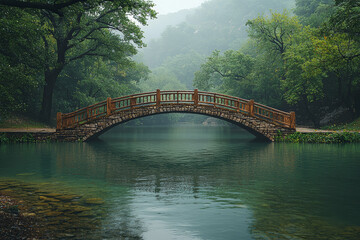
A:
x: 79, y: 209
x: 52, y: 195
x: 29, y: 214
x: 86, y: 214
x: 94, y: 201
x: 25, y: 174
x: 46, y: 199
x: 53, y: 214
x: 67, y: 198
x: 44, y: 213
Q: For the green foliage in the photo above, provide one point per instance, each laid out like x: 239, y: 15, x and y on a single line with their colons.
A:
x: 217, y: 24
x: 20, y: 43
x: 341, y: 137
x: 20, y: 121
x: 222, y: 71
x: 70, y: 31
x: 183, y: 67
x: 346, y: 17
x: 254, y: 71
x: 3, y: 138
x: 26, y: 138
x: 161, y: 78
x: 313, y: 69
x: 353, y: 126
x: 274, y: 34
x: 314, y: 12
x: 91, y: 80
x: 303, y: 82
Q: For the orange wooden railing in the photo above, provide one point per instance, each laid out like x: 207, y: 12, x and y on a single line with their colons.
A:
x: 158, y: 98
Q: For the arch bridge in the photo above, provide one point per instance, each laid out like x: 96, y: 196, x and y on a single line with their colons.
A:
x: 89, y: 122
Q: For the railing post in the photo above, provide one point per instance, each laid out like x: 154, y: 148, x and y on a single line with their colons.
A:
x: 196, y: 97
x: 158, y: 97
x: 292, y: 120
x: 108, y: 106
x: 251, y: 107
x: 132, y: 102
x: 59, y: 121
x: 87, y: 113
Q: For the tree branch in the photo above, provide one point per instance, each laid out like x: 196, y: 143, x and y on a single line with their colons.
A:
x: 55, y: 8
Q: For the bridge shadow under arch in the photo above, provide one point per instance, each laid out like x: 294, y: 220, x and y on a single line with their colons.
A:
x: 259, y: 136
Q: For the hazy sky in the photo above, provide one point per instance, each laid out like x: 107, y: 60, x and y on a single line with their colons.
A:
x: 168, y: 6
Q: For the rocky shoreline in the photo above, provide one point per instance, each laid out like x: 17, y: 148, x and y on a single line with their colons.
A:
x: 30, y: 212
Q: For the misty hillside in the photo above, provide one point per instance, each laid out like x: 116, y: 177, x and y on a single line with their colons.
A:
x: 216, y: 24
x: 157, y: 26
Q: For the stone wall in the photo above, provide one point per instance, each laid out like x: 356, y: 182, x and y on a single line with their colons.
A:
x: 29, y: 136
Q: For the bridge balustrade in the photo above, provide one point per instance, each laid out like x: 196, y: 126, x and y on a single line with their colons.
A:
x: 159, y: 98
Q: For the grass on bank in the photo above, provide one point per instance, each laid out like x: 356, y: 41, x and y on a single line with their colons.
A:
x: 317, y: 137
x: 353, y: 126
x: 22, y: 122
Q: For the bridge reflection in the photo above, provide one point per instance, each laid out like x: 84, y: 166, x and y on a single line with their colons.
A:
x: 260, y: 181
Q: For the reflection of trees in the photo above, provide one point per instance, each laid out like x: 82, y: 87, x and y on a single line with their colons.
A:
x: 170, y: 167
x: 300, y: 194
x: 284, y: 185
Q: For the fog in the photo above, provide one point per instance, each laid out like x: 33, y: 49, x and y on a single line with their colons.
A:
x: 171, y: 6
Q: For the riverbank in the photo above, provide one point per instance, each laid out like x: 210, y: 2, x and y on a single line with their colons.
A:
x: 16, y: 221
x: 303, y: 135
x: 36, y: 211
x: 319, y: 136
x: 26, y: 135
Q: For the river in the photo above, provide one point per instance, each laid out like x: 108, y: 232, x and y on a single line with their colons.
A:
x: 189, y: 182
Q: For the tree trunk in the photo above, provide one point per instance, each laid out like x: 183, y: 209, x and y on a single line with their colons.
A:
x: 46, y: 106
x: 312, y: 116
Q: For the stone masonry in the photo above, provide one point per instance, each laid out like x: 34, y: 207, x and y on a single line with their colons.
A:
x: 258, y: 127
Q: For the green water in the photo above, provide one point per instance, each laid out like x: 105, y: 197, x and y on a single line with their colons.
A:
x: 191, y: 182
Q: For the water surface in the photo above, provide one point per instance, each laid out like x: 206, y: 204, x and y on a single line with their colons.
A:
x: 193, y: 182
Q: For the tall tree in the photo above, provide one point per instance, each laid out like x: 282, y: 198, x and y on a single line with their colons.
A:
x: 20, y: 46
x: 303, y: 85
x: 273, y: 36
x: 78, y: 28
x: 274, y: 33
x: 346, y: 18
x: 220, y: 72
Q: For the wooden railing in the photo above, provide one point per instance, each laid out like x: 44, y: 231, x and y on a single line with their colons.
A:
x: 158, y: 98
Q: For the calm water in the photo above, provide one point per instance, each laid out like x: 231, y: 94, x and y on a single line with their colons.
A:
x: 186, y: 182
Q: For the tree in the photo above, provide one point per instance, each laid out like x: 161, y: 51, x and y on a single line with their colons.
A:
x: 314, y: 12
x: 161, y: 78
x: 303, y: 84
x: 339, y: 54
x: 343, y: 31
x: 274, y: 34
x: 77, y: 28
x: 346, y: 18
x: 184, y: 66
x: 20, y: 44
x: 220, y: 72
x: 91, y: 80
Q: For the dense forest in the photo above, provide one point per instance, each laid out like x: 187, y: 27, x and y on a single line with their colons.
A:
x: 308, y: 62
x: 298, y: 55
x: 62, y: 55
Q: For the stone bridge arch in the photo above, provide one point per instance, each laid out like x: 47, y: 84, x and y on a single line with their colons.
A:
x: 90, y: 122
